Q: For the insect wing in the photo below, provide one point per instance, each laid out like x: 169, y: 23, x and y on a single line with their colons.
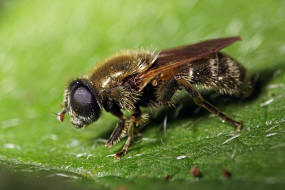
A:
x: 168, y: 60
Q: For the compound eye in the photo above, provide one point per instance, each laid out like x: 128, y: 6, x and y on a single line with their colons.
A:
x: 83, y: 102
x: 82, y: 97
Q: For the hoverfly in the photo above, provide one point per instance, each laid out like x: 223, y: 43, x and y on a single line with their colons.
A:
x: 131, y: 79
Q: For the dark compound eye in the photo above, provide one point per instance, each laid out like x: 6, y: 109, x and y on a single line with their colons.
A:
x: 82, y: 97
x: 83, y: 102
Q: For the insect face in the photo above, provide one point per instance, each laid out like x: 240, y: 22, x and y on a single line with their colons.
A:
x: 81, y: 103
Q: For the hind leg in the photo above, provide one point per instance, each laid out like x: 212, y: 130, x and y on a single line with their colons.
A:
x: 199, y: 100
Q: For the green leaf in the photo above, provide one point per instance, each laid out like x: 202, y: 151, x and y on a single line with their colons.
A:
x: 46, y: 43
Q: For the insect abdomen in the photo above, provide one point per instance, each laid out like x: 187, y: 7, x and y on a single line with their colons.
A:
x: 218, y: 71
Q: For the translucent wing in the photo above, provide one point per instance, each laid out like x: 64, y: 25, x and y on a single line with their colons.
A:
x: 170, y: 59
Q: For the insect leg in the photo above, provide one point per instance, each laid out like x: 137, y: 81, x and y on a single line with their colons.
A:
x: 118, y: 132
x: 133, y: 120
x: 199, y: 100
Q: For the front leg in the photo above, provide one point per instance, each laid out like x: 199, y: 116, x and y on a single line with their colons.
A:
x: 122, y: 127
x: 130, y: 137
x: 118, y: 132
x: 135, y: 119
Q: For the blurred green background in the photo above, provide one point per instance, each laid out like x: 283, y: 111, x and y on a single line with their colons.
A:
x: 46, y: 43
